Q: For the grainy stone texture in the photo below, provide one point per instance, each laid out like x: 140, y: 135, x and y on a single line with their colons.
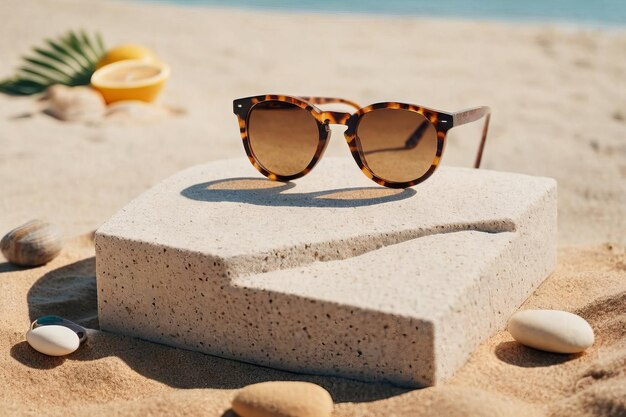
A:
x: 331, y: 274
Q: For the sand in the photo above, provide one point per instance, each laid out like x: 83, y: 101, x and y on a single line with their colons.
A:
x: 118, y: 375
x: 559, y: 100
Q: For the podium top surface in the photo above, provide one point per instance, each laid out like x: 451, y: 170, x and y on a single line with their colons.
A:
x: 226, y: 209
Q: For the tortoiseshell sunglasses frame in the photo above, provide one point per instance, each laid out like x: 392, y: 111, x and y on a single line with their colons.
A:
x: 442, y: 121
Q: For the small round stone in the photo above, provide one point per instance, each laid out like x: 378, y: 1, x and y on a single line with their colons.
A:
x: 53, y: 340
x: 551, y: 330
x: 283, y: 399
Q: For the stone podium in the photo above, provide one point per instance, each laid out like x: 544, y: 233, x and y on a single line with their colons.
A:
x: 331, y: 274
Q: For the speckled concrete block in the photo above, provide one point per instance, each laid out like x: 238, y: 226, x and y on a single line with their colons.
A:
x: 331, y: 274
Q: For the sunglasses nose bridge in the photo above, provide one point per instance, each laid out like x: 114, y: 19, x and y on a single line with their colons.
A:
x: 335, y: 117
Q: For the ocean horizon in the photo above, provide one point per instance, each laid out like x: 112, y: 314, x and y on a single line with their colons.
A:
x: 577, y: 12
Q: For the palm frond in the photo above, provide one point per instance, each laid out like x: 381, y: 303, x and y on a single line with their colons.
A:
x: 42, y: 76
x: 55, y: 57
x: 46, y: 65
x: 70, y: 60
x: 68, y: 56
x: 21, y: 87
x: 73, y: 44
x: 100, y: 43
x: 87, y: 42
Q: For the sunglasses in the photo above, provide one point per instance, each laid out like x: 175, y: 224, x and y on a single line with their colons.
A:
x: 396, y: 145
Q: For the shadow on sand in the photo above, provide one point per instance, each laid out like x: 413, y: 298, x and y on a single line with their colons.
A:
x: 517, y: 354
x: 9, y: 267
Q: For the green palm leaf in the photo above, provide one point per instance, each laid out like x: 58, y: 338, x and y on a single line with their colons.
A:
x: 68, y: 56
x: 42, y: 76
x: 50, y: 67
x: 21, y: 87
x: 87, y: 42
x: 68, y: 60
x: 55, y: 57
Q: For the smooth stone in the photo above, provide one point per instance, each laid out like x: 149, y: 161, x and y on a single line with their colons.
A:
x: 53, y: 340
x: 551, y: 330
x: 283, y: 399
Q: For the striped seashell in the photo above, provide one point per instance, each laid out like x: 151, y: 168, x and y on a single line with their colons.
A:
x: 32, y: 244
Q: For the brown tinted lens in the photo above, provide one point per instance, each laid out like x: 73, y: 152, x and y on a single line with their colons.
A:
x: 397, y: 145
x: 283, y: 137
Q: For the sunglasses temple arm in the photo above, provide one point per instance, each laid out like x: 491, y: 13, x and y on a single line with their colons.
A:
x: 481, y: 147
x: 471, y: 115
x: 330, y: 100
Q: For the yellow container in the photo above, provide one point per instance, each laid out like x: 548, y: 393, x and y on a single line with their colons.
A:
x: 125, y: 51
x: 131, y: 79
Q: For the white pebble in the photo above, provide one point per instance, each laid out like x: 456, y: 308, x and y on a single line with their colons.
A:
x: 551, y: 330
x: 53, y: 340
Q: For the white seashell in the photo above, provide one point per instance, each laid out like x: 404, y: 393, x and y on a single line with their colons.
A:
x: 74, y: 103
x: 283, y: 398
x: 551, y: 330
x: 136, y: 111
x: 53, y: 340
x: 32, y: 244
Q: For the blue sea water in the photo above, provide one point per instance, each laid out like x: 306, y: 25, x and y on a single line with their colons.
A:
x: 578, y: 12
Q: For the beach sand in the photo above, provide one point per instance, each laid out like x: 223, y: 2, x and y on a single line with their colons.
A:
x: 559, y: 101
x: 117, y: 375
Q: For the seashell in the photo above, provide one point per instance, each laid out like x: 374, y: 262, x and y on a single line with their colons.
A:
x: 32, y: 244
x: 53, y: 340
x: 551, y: 330
x: 283, y: 398
x: 74, y: 103
x: 136, y: 111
